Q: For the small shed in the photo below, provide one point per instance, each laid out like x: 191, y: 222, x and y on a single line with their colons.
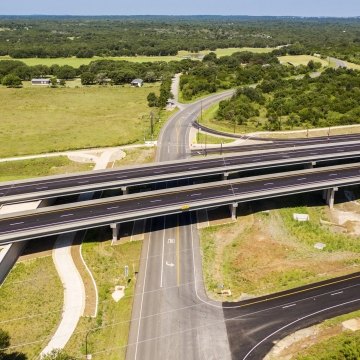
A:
x: 137, y: 83
x: 44, y: 82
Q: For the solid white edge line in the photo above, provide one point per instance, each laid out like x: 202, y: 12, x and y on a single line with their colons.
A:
x: 162, y: 255
x: 143, y: 292
x: 295, y: 321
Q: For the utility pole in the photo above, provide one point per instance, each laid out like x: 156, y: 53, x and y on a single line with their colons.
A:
x: 205, y: 144
x: 152, y: 125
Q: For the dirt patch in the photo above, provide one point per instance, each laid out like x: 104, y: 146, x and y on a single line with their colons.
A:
x: 261, y: 254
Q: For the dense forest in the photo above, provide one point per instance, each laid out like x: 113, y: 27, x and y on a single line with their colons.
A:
x: 39, y: 36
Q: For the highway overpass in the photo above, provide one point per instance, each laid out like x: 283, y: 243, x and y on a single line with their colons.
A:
x: 67, y: 218
x: 124, y: 178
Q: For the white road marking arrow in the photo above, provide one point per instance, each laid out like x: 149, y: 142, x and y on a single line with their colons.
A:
x: 171, y: 264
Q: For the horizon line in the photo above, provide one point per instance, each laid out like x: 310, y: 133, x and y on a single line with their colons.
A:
x: 188, y: 15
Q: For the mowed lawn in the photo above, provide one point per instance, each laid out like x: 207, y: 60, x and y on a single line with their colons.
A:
x: 40, y: 120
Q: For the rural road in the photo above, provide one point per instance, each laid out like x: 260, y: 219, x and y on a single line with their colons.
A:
x: 169, y: 320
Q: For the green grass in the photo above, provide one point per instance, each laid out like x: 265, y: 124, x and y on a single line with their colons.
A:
x: 135, y: 156
x: 344, y: 346
x: 297, y: 60
x: 268, y: 252
x: 31, y: 301
x: 208, y: 119
x: 38, y: 120
x: 110, y: 329
x: 209, y: 139
x: 22, y: 169
x: 312, y: 232
x: 75, y: 62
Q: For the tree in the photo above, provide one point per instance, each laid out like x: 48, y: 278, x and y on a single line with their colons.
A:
x: 4, y: 344
x: 4, y: 341
x: 57, y: 354
x: 88, y: 78
x: 54, y: 81
x: 11, y: 81
x: 66, y: 72
x: 152, y: 100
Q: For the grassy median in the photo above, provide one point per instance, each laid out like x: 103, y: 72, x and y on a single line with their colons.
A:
x: 108, y: 332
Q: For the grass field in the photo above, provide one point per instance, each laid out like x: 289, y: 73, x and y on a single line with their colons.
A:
x: 75, y: 62
x: 297, y: 60
x: 38, y: 120
x: 31, y: 301
x: 22, y: 169
x: 109, y: 330
x: 267, y: 252
x: 135, y: 156
x: 209, y: 139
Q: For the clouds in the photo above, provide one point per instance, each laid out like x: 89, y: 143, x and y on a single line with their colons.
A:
x: 183, y: 7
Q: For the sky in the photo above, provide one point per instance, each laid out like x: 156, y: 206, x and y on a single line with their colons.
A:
x: 316, y: 8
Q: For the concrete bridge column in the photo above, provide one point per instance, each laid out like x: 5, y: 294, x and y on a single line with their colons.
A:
x: 115, y: 231
x: 125, y: 190
x: 225, y: 176
x: 331, y: 197
x: 233, y: 208
x: 310, y: 165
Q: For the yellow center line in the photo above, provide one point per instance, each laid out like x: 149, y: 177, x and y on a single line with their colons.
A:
x: 178, y: 250
x: 300, y: 291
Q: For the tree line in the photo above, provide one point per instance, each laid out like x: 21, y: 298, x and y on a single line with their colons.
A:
x: 331, y: 99
x: 52, y: 37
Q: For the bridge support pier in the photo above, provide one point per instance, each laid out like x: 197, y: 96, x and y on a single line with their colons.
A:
x: 330, y: 196
x: 125, y: 190
x: 225, y: 176
x: 115, y: 231
x: 310, y: 165
x: 233, y: 208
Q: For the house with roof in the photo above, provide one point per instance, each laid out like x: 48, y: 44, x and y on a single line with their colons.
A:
x: 43, y: 82
x: 137, y: 83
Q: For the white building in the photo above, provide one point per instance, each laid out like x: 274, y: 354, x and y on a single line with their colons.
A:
x: 44, y: 82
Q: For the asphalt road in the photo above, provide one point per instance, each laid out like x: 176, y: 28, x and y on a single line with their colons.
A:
x: 255, y: 325
x: 158, y: 172
x: 276, y: 144
x: 169, y: 320
x: 233, y: 191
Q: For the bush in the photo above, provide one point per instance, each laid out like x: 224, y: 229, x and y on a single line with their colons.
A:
x: 11, y: 81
